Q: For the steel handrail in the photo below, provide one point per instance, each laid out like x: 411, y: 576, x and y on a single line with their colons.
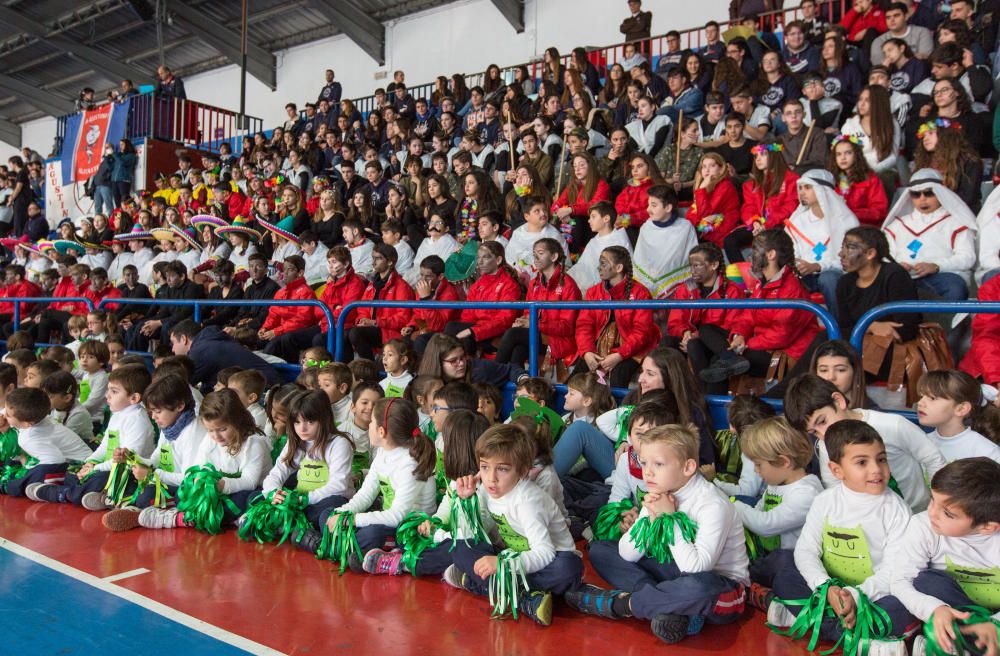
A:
x: 30, y: 300
x: 914, y: 307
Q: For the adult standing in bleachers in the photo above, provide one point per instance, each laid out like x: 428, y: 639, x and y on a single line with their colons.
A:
x: 637, y: 25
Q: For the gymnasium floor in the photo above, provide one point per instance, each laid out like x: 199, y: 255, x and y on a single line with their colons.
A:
x: 70, y: 587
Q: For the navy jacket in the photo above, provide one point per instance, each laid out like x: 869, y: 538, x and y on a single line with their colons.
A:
x: 214, y: 350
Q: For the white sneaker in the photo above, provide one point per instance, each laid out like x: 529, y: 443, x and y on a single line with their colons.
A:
x: 158, y: 518
x: 778, y: 615
x: 95, y: 501
x: 454, y: 577
x: 885, y: 648
x: 919, y: 646
x: 31, y: 491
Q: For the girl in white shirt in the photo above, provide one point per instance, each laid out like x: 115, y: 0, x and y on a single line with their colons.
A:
x: 965, y: 425
x: 399, y: 361
x: 63, y: 392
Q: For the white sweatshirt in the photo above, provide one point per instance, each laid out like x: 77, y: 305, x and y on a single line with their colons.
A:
x: 785, y: 517
x: 134, y: 431
x: 77, y: 420
x: 362, y: 443
x: 341, y: 411
x: 844, y: 526
x: 391, y: 474
x: 361, y: 258
x: 546, y: 478
x: 971, y: 560
x: 584, y: 272
x: 442, y: 246
x: 519, y: 250
x: 625, y: 484
x: 967, y: 444
x: 316, y: 270
x: 463, y: 530
x: 251, y: 463
x: 183, y: 453
x: 404, y: 259
x: 397, y: 382
x: 749, y: 485
x: 938, y: 238
x: 719, y: 546
x: 337, y: 458
x: 51, y: 443
x: 98, y: 382
x: 529, y: 521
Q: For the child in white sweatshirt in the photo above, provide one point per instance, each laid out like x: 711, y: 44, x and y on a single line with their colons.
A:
x: 951, y: 402
x: 94, y: 357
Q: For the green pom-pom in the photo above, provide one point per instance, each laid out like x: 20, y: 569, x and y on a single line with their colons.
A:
x: 609, y: 517
x: 200, y: 501
x: 508, y: 584
x: 279, y: 446
x: 266, y: 521
x: 465, y: 514
x: 656, y: 536
x: 9, y: 448
x: 340, y: 543
x: 412, y: 542
x: 977, y: 615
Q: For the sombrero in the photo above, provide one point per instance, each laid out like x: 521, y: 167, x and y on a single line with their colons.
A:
x: 46, y: 247
x: 282, y: 228
x: 99, y: 247
x: 239, y: 227
x: 65, y: 247
x: 161, y: 233
x: 200, y: 220
x: 136, y: 233
x: 460, y: 265
x: 187, y: 234
x: 12, y: 242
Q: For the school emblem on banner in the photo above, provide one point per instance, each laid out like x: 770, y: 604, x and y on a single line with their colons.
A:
x: 86, y: 134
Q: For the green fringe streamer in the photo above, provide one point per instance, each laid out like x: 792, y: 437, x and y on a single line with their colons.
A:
x: 15, y: 470
x: 341, y: 542
x: 623, y: 418
x: 508, y: 584
x: 121, y: 474
x: 279, y: 446
x: 199, y: 500
x: 963, y: 645
x: 8, y: 445
x: 606, y: 526
x: 656, y: 536
x: 465, y: 512
x: 266, y: 521
x: 412, y: 542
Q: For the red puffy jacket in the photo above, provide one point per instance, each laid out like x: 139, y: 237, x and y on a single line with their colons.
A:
x: 634, y: 201
x: 557, y: 325
x: 983, y: 358
x: 487, y: 324
x: 287, y: 319
x: 434, y: 321
x: 338, y: 293
x: 855, y: 23
x: 98, y: 295
x: 67, y: 288
x: 23, y: 289
x: 867, y: 200
x: 390, y: 320
x: 581, y: 207
x: 639, y: 333
x: 722, y: 200
x: 679, y: 321
x: 777, y: 208
x: 790, y: 331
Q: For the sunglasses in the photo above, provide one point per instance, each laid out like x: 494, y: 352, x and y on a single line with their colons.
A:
x: 926, y: 193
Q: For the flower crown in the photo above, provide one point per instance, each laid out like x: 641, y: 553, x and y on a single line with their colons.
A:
x: 764, y: 148
x: 846, y: 138
x: 276, y: 181
x: 932, y: 126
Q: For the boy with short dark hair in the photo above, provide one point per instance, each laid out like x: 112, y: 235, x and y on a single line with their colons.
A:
x: 604, y: 223
x: 249, y: 385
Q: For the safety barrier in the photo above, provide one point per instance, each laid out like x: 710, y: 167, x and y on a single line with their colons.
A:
x: 198, y: 303
x: 32, y: 300
x: 913, y: 307
x: 534, y: 307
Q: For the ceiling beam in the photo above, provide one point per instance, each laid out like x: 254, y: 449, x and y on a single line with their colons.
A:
x: 260, y: 63
x: 367, y: 32
x: 513, y: 11
x: 106, y: 65
x: 43, y: 100
x: 10, y: 133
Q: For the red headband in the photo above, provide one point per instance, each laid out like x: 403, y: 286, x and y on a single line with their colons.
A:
x: 385, y: 415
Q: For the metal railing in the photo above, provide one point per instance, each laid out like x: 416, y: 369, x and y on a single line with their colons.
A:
x: 534, y: 307
x: 917, y: 307
x: 191, y: 123
x: 32, y: 300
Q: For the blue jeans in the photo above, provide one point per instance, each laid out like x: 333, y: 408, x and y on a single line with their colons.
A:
x: 948, y: 286
x: 104, y: 202
x: 583, y: 439
x: 825, y: 282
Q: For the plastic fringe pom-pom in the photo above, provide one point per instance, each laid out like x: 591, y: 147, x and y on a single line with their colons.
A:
x: 508, y: 584
x: 8, y: 445
x: 465, y: 512
x: 609, y: 517
x: 656, y: 536
x: 14, y: 471
x: 963, y: 645
x: 266, y: 521
x: 341, y: 542
x: 871, y: 623
x: 202, y: 504
x: 412, y: 542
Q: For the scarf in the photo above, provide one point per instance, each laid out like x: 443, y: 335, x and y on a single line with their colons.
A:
x: 173, y: 431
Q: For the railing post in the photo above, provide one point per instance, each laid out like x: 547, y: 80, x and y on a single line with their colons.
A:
x: 197, y: 312
x: 17, y: 315
x: 533, y: 340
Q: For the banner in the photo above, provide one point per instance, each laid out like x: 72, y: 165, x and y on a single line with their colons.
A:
x: 69, y: 199
x: 86, y: 134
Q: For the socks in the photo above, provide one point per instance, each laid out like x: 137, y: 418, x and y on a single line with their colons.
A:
x: 620, y: 605
x: 179, y: 521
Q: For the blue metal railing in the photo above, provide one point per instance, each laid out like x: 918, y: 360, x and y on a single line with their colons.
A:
x: 198, y: 303
x: 32, y: 300
x: 534, y: 307
x: 914, y: 307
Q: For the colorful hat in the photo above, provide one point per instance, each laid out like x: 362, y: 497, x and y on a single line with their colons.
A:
x: 200, y: 220
x: 188, y: 235
x: 525, y: 407
x: 100, y: 247
x: 11, y: 243
x: 239, y: 227
x: 136, y: 233
x: 460, y: 265
x: 46, y: 247
x: 282, y: 228
x: 67, y: 247
x: 161, y: 233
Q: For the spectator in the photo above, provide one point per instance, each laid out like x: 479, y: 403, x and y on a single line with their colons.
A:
x: 212, y: 350
x: 919, y: 39
x: 20, y: 197
x: 682, y: 97
x: 85, y: 101
x: 800, y: 55
x: 122, y: 171
x: 259, y: 288
x: 637, y: 25
x: 797, y: 139
x: 331, y: 91
x: 861, y: 188
x: 169, y: 86
x: 103, y: 197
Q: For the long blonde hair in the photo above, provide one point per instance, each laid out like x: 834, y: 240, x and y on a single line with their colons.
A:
x: 718, y: 159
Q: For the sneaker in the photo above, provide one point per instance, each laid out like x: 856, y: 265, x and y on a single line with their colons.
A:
x: 383, y: 562
x: 454, y: 577
x: 778, y: 615
x: 308, y: 540
x: 158, y: 518
x: 354, y: 563
x: 123, y: 519
x: 726, y: 365
x: 884, y: 648
x: 538, y: 606
x: 760, y: 597
x: 919, y: 646
x: 695, y: 624
x: 95, y: 501
x: 592, y: 600
x: 670, y: 628
x: 31, y: 491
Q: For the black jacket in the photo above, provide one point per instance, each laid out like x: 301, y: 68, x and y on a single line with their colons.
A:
x: 214, y: 350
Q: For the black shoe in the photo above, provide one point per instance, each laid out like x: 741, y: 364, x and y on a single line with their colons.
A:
x: 308, y: 540
x: 723, y: 367
x: 670, y: 628
x: 354, y: 562
x: 592, y: 600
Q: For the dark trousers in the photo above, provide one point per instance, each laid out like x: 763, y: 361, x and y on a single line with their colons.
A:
x: 514, y: 346
x: 735, y: 242
x: 37, y: 474
x: 148, y: 495
x: 435, y: 560
x: 710, y: 342
x: 789, y: 584
x: 364, y: 340
x: 242, y: 501
x: 51, y: 321
x: 763, y: 570
x: 938, y: 584
x: 369, y: 537
x: 621, y: 375
x: 72, y: 490
x: 563, y: 574
x: 584, y: 499
x: 288, y: 346
x: 136, y: 341
x: 659, y: 588
x: 317, y: 513
x: 470, y: 344
x: 121, y: 191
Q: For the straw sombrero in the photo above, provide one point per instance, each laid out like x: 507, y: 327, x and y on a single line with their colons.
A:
x: 136, y: 233
x: 282, y: 228
x: 99, y: 247
x: 239, y: 227
x: 161, y: 233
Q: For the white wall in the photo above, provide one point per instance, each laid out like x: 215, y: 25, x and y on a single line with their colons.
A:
x: 463, y: 36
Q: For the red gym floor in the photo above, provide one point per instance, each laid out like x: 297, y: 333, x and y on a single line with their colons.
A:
x: 289, y: 601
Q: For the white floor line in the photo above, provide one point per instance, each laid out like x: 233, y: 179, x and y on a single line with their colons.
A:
x: 125, y: 575
x: 128, y: 595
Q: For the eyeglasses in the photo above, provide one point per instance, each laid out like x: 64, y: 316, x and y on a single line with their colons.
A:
x: 435, y: 408
x: 942, y: 91
x: 926, y: 193
x: 454, y: 361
